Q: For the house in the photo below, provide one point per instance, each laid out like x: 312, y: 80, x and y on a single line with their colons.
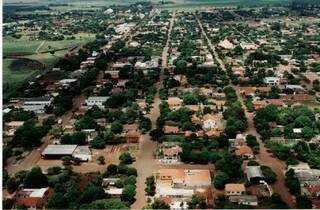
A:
x: 33, y: 198
x: 90, y: 134
x: 244, y: 151
x: 96, y: 101
x: 249, y: 200
x: 129, y: 127
x: 12, y: 126
x: 226, y: 44
x: 299, y: 167
x: 36, y: 105
x: 254, y: 174
x: 169, y: 152
x: 132, y: 136
x: 208, y: 122
x: 109, y: 186
x: 272, y: 81
x: 56, y: 151
x: 234, y: 189
x: 174, y: 102
x: 65, y: 83
x: 114, y: 73
x: 83, y: 153
x: 171, y: 129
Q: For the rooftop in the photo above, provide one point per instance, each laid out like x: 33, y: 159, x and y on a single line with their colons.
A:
x: 59, y: 149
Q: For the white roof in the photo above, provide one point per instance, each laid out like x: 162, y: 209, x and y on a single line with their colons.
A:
x: 98, y: 98
x: 56, y: 149
x: 168, y: 191
x: 297, y: 130
x: 36, y: 193
x: 63, y: 81
x: 6, y: 110
x: 82, y: 150
x: 114, y: 191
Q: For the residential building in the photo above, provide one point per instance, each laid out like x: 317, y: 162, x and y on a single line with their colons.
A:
x: 249, y: 200
x: 234, y: 189
x: 33, y: 198
x: 244, y: 151
x: 96, y: 101
x: 254, y: 174
x: 208, y: 122
x: 36, y: 105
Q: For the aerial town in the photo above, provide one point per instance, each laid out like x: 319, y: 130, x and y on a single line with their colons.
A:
x: 151, y: 106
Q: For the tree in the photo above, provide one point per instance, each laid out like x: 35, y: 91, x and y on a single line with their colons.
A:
x: 85, y: 122
x: 28, y: 136
x: 101, y: 160
x: 151, y: 188
x: 144, y: 124
x: 98, y: 143
x: 181, y: 67
x: 116, y: 126
x: 128, y: 193
x: 197, y: 202
x: 220, y: 180
x: 57, y: 201
x: 251, y: 141
x: 303, y: 202
x: 159, y: 204
x: 35, y: 179
x: 112, y: 169
x: 292, y: 182
x: 269, y: 174
x: 66, y: 160
x: 107, y: 204
x: 130, y: 180
x: 126, y: 158
x: 91, y: 193
x: 12, y: 184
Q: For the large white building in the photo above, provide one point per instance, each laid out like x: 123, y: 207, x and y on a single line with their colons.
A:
x: 96, y: 101
x: 36, y: 105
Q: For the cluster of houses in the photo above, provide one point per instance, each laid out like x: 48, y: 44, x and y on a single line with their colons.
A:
x: 309, y: 179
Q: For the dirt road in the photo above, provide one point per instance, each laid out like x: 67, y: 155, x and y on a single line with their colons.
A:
x: 211, y: 46
x: 266, y: 158
x: 146, y: 164
x: 164, y: 63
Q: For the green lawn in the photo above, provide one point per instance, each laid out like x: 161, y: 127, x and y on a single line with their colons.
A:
x: 22, y: 46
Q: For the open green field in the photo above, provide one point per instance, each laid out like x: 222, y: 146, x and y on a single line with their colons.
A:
x: 22, y: 46
x: 13, y: 79
x: 178, y: 4
x: 37, y: 52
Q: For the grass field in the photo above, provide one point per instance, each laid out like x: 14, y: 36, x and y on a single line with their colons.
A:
x: 24, y: 48
x: 178, y: 4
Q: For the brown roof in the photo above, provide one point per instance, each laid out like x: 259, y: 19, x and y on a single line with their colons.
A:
x: 240, y: 150
x: 207, y: 117
x: 235, y: 187
x: 171, y: 129
x: 132, y: 134
x: 133, y: 126
x: 303, y: 97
